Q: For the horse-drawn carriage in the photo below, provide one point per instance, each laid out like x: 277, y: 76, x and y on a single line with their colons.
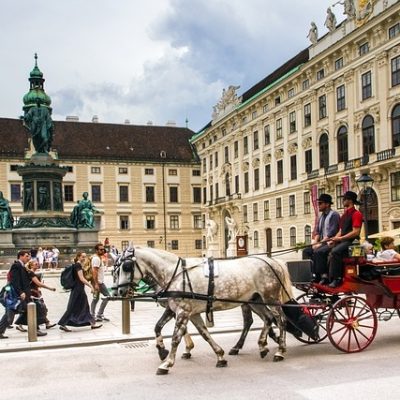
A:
x: 348, y: 315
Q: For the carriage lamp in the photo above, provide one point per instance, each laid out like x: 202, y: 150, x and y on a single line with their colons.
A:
x: 365, y: 183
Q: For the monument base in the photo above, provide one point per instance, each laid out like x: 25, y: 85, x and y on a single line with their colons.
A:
x: 6, y: 241
x: 213, y: 250
x: 231, y: 250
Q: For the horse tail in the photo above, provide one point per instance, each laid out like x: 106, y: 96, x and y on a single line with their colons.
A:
x: 287, y: 287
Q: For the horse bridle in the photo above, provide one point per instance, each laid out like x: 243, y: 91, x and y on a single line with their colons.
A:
x: 120, y: 264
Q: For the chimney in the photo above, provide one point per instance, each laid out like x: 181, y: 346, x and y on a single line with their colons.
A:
x: 72, y: 118
x: 149, y: 123
x: 127, y: 122
x: 95, y: 119
x: 170, y: 123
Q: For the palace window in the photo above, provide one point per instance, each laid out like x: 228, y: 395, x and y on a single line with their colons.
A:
x: 279, y: 239
x: 96, y: 193
x: 320, y: 74
x: 255, y: 140
x: 173, y: 172
x: 279, y: 171
x: 256, y: 179
x: 174, y: 244
x: 68, y: 193
x: 396, y: 71
x: 307, y: 115
x: 198, y: 244
x: 307, y: 202
x: 173, y: 194
x: 226, y: 154
x: 292, y: 205
x: 339, y: 63
x: 293, y: 238
x: 236, y: 149
x: 255, y: 211
x: 293, y: 167
x: 255, y: 239
x: 196, y: 195
x: 322, y: 106
x: 292, y: 122
x: 307, y: 234
x: 245, y: 215
x: 246, y: 182
x: 342, y: 144
x: 305, y: 84
x: 245, y: 145
x: 324, y: 151
x: 395, y: 186
x: 150, y: 222
x: 196, y: 172
x: 278, y: 207
x: 123, y: 170
x: 363, y: 49
x: 340, y: 98
x: 216, y: 160
x: 368, y: 135
x: 267, y: 135
x: 290, y: 93
x: 149, y: 171
x: 174, y: 221
x: 366, y: 85
x: 339, y: 196
x: 268, y: 175
x: 124, y: 222
x: 396, y: 126
x: 15, y: 192
x: 394, y: 30
x: 266, y: 209
x: 123, y: 193
x: 149, y: 194
x: 95, y: 170
x: 197, y: 221
x: 151, y: 244
x: 308, y: 161
x: 278, y: 128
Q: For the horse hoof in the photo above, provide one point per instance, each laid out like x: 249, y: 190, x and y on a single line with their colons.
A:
x: 161, y: 371
x: 221, y: 363
x: 233, y: 352
x: 278, y: 358
x: 186, y: 356
x: 163, y: 354
x: 264, y: 353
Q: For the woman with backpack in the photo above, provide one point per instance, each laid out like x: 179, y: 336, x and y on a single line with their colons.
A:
x: 78, y: 312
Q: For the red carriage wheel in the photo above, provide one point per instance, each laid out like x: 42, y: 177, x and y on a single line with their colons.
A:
x: 352, y: 324
x: 318, y: 313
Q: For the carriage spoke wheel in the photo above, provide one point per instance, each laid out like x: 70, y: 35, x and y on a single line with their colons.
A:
x: 320, y: 316
x: 352, y: 324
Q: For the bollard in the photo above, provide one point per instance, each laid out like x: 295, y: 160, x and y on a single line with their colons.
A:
x: 32, y: 322
x: 126, y: 317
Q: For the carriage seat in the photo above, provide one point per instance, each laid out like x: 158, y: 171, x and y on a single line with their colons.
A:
x: 377, y: 269
x: 300, y: 271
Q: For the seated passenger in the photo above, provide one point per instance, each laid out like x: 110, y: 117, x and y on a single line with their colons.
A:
x: 388, y: 252
x: 350, y: 227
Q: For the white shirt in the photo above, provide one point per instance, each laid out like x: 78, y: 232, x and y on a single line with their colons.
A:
x: 97, y: 262
x: 387, y: 254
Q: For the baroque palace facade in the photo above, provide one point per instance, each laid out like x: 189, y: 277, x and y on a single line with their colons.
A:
x: 320, y: 121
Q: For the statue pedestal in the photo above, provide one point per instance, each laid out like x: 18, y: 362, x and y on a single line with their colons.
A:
x: 231, y: 250
x: 212, y: 250
x: 6, y: 240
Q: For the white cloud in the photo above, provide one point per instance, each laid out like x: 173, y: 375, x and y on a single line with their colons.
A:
x: 157, y: 60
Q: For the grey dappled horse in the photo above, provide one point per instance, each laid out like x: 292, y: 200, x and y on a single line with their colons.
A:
x: 254, y: 279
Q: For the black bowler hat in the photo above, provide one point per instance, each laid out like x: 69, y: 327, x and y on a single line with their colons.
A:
x: 325, y: 198
x: 351, y: 196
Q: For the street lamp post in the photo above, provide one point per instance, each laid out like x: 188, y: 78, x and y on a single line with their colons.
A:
x: 163, y: 156
x: 365, y: 183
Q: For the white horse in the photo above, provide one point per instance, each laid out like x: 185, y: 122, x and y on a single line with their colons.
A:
x: 256, y: 279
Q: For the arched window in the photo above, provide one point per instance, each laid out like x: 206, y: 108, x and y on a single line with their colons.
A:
x: 324, y: 151
x: 255, y: 238
x: 293, y: 238
x: 343, y: 154
x: 396, y: 126
x: 368, y: 135
x: 279, y: 242
x: 307, y: 234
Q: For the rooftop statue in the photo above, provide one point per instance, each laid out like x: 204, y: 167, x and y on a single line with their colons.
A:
x: 82, y: 215
x: 313, y: 33
x: 228, y: 100
x: 330, y: 21
x: 349, y: 8
x: 6, y: 218
x: 38, y: 120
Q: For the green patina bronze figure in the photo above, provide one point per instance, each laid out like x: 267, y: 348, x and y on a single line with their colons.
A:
x: 6, y: 218
x: 82, y: 215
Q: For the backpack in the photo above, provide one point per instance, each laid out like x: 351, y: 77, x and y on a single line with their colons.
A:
x: 67, y: 278
x: 87, y: 269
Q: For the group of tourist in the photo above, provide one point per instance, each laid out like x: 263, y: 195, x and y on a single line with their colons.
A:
x: 26, y: 283
x: 47, y: 257
x: 333, y: 236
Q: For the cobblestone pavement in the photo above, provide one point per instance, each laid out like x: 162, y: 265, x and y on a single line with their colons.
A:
x: 142, y: 322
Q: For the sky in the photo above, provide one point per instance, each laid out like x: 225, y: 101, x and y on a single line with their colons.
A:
x: 153, y: 60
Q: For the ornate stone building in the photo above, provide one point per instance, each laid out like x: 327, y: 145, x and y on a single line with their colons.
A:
x: 319, y: 121
x: 144, y: 180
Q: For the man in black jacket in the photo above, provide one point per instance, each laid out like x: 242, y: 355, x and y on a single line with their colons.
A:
x: 18, y: 277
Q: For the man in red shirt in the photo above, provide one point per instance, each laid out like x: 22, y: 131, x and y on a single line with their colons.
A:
x: 349, y: 229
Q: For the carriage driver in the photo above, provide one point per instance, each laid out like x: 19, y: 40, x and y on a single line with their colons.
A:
x: 327, y: 227
x: 349, y: 229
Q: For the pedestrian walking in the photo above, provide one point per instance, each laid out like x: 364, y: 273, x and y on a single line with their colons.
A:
x: 98, y: 283
x: 78, y: 312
